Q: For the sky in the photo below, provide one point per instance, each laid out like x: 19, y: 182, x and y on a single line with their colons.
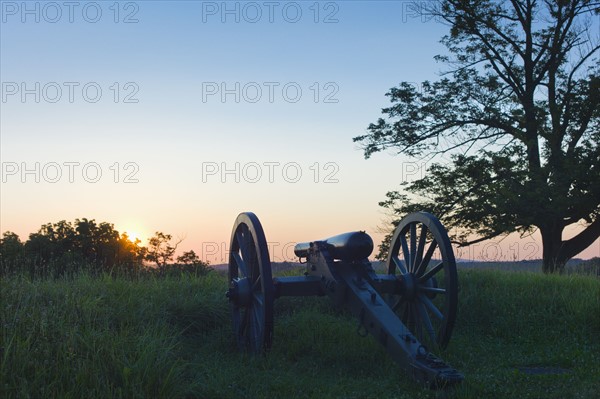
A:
x: 176, y: 116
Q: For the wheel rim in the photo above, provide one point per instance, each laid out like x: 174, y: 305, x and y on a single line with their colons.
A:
x: 251, y: 291
x: 421, y: 257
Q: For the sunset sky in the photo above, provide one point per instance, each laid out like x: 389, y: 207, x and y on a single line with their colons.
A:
x: 176, y: 116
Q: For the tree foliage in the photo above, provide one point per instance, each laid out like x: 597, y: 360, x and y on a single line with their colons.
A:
x: 517, y: 119
x: 190, y: 262
x: 160, y: 250
x: 61, y: 248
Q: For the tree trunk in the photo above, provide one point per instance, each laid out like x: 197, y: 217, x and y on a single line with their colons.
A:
x: 557, y: 252
x: 553, y: 256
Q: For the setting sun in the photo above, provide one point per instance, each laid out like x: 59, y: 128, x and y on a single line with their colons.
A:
x: 133, y: 236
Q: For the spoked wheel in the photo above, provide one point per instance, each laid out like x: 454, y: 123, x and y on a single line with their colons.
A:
x: 251, y: 291
x: 422, y: 259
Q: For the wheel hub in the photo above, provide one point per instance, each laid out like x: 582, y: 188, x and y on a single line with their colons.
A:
x: 409, y: 286
x: 408, y: 283
x: 240, y: 291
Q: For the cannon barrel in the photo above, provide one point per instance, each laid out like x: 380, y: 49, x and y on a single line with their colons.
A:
x: 347, y: 246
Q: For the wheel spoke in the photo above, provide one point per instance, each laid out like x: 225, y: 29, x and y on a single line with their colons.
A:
x: 432, y: 290
x: 259, y: 316
x: 431, y: 307
x: 256, y: 313
x: 434, y: 270
x: 405, y: 315
x: 397, y: 305
x: 259, y: 299
x: 413, y: 246
x: 411, y: 318
x: 427, y: 322
x: 422, y: 240
x: 399, y: 264
x: 418, y: 324
x: 405, y: 252
x: 251, y: 259
x: 244, y: 323
x: 426, y: 259
x: 254, y: 330
x: 236, y: 319
x: 241, y: 265
x: 240, y: 237
x: 256, y: 284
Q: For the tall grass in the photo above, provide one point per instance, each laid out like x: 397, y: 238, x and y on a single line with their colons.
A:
x: 170, y: 337
x: 101, y: 337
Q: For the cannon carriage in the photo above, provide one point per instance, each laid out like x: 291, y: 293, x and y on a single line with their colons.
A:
x: 410, y: 310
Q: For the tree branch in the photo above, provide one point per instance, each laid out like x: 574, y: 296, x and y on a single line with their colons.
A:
x: 582, y: 240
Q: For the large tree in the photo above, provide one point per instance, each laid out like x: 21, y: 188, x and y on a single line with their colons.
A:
x: 516, y: 118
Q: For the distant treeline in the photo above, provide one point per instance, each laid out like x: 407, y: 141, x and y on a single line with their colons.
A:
x: 65, y: 248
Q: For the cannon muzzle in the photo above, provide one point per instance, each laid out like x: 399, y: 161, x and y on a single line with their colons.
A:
x: 348, y: 246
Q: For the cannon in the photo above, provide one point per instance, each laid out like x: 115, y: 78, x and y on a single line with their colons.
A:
x: 410, y: 310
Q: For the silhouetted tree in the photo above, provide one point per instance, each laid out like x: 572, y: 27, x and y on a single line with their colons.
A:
x: 160, y: 250
x: 11, y: 251
x: 57, y: 248
x: 192, y: 263
x: 519, y: 116
x: 63, y: 248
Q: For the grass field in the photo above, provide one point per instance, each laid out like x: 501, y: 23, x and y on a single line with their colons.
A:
x: 111, y: 337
